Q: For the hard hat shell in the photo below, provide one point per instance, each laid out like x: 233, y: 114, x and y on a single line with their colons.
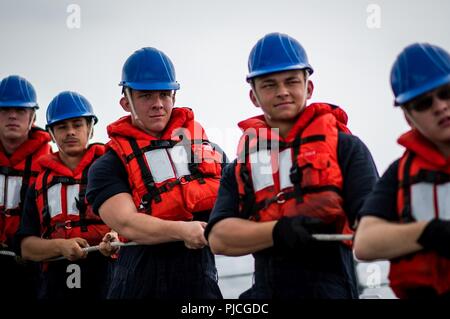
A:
x: 277, y: 52
x: 419, y: 68
x: 67, y: 105
x: 149, y: 69
x: 16, y: 91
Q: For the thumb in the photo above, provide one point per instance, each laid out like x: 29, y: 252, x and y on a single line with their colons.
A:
x: 82, y: 242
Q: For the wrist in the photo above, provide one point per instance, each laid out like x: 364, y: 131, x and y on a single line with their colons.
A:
x: 58, y: 246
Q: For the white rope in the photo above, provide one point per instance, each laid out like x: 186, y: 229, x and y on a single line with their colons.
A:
x: 333, y: 237
x: 96, y: 248
x: 320, y: 237
x: 7, y: 253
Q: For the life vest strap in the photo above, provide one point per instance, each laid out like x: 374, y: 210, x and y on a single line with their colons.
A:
x: 406, y: 215
x: 426, y: 176
x: 159, y: 144
x: 68, y: 224
x: 154, y: 192
x: 282, y: 145
x: 46, y: 210
x: 157, y: 191
x: 282, y: 196
x: 9, y: 171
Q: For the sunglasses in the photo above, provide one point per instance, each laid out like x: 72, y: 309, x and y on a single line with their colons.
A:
x: 425, y: 102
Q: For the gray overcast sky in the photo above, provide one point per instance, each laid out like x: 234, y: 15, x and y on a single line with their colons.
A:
x: 209, y: 42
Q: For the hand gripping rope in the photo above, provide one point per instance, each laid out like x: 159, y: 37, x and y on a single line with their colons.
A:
x: 321, y: 237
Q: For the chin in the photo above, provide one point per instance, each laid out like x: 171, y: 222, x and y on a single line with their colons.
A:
x: 15, y: 135
x: 158, y: 129
x: 74, y: 151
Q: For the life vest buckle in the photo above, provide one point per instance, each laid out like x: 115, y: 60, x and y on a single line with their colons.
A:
x: 68, y: 224
x: 183, y: 180
x: 281, y: 199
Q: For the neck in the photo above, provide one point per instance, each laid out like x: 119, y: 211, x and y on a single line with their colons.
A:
x: 138, y: 124
x: 444, y: 148
x: 70, y: 161
x: 284, y: 127
x: 11, y: 145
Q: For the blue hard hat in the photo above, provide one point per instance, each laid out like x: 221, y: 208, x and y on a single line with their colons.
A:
x: 15, y: 91
x: 149, y: 69
x: 67, y: 105
x: 277, y: 52
x: 419, y: 68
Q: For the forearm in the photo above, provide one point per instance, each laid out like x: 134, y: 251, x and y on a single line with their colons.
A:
x: 146, y: 229
x: 379, y: 239
x: 37, y: 249
x: 120, y: 213
x: 237, y: 237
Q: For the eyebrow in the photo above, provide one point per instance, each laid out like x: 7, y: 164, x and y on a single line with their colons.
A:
x: 268, y: 81
x: 293, y: 78
x: 271, y: 80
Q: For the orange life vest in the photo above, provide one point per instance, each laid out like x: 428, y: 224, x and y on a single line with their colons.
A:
x: 60, y: 198
x: 423, y: 194
x: 296, y: 175
x: 17, y: 172
x: 171, y: 177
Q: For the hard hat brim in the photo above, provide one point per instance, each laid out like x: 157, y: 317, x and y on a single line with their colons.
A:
x: 279, y: 68
x: 153, y: 86
x: 70, y: 116
x: 19, y: 104
x: 412, y: 94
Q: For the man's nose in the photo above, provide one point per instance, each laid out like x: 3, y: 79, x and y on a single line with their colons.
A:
x: 282, y: 90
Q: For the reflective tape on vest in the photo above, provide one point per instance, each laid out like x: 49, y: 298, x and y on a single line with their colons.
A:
x: 72, y: 197
x: 285, y: 168
x: 10, y: 191
x: 261, y: 167
x: 179, y: 158
x: 170, y: 163
x: 263, y: 170
x: 426, y: 197
x: 443, y: 195
x: 54, y: 197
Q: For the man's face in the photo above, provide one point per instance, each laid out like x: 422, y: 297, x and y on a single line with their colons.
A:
x: 282, y: 96
x: 153, y: 109
x: 430, y: 114
x: 72, y: 135
x: 15, y: 122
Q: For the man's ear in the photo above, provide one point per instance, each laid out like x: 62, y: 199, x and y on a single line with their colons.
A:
x: 309, y: 89
x: 253, y: 98
x: 125, y: 104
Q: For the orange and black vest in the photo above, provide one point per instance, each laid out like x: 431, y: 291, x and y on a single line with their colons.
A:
x: 17, y: 173
x: 296, y: 175
x: 171, y: 177
x: 61, y: 201
x: 423, y: 195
